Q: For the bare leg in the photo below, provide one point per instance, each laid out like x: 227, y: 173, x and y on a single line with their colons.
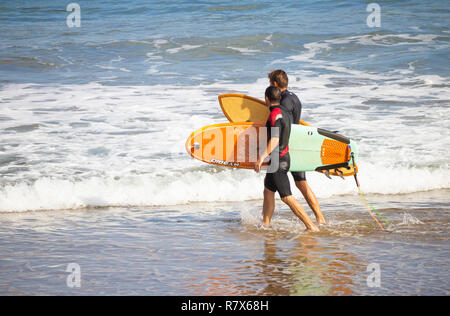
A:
x: 268, y: 206
x: 298, y: 210
x: 311, y: 200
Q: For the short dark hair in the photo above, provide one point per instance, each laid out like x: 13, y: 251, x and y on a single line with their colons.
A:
x: 273, y: 94
x: 280, y: 77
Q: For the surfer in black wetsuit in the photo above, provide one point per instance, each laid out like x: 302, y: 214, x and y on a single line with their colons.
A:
x: 276, y: 180
x: 292, y: 105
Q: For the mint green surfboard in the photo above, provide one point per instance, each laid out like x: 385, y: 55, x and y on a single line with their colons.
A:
x: 315, y: 149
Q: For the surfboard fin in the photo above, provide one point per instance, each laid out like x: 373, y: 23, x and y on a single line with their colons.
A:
x: 327, y: 173
x: 339, y: 173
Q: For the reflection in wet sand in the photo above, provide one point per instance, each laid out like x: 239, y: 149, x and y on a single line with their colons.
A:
x: 299, y: 266
x: 303, y: 269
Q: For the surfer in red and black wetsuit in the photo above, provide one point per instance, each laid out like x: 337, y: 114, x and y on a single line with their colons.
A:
x: 292, y: 105
x: 276, y: 180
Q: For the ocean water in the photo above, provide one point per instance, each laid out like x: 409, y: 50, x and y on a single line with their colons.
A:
x: 93, y: 121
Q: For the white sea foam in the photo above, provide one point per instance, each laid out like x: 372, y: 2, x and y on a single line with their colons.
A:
x: 181, y: 48
x: 268, y: 40
x: 199, y: 186
x: 244, y: 51
x: 408, y: 220
x: 159, y: 42
x: 142, y: 190
x: 384, y: 40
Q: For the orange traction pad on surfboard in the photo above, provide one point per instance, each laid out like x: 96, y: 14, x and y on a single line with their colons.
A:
x: 334, y: 152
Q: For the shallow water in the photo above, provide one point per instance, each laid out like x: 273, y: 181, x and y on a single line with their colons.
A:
x: 221, y: 249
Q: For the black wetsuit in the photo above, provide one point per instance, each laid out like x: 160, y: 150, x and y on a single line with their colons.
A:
x: 277, y: 179
x: 292, y: 105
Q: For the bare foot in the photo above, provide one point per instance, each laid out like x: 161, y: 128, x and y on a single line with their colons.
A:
x: 313, y: 229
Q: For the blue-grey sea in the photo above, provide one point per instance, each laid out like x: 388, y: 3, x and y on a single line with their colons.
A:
x: 97, y: 99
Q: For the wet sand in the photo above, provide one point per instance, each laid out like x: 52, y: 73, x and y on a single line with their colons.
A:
x: 221, y: 249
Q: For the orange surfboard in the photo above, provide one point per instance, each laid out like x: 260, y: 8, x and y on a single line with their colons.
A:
x: 239, y: 145
x: 235, y: 145
x: 244, y: 108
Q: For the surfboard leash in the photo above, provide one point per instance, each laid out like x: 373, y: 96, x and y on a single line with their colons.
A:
x: 367, y: 204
